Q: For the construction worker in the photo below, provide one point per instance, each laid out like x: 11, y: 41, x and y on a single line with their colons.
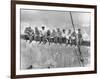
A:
x: 73, y: 38
x: 59, y: 35
x: 27, y: 31
x: 30, y: 32
x: 53, y: 36
x: 79, y: 37
x: 43, y: 34
x: 48, y: 34
x: 68, y: 37
x: 37, y: 34
x: 36, y: 31
x: 64, y: 36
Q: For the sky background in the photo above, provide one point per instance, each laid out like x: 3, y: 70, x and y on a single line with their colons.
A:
x: 55, y: 19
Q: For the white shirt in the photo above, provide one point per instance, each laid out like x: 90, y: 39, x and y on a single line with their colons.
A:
x: 43, y: 32
x: 63, y: 34
x: 68, y: 35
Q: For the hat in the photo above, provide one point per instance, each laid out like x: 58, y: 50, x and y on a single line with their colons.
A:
x: 29, y: 27
x: 63, y: 29
x: 58, y: 29
x: 43, y: 27
x: 69, y: 29
x: 79, y: 29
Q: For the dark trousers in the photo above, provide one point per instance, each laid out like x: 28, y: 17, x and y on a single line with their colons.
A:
x: 64, y: 40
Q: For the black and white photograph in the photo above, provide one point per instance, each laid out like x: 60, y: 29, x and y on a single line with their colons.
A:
x: 54, y: 39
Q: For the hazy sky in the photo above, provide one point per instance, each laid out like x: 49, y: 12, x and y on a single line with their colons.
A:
x: 54, y: 19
